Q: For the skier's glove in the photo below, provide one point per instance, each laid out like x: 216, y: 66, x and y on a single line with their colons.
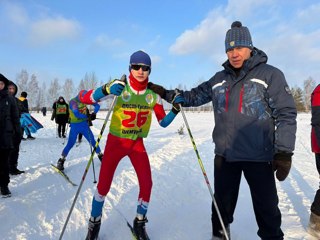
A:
x: 157, y: 89
x: 177, y: 101
x: 281, y: 164
x: 93, y: 116
x: 115, y: 86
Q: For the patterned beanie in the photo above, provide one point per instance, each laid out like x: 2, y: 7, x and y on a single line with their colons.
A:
x: 238, y: 36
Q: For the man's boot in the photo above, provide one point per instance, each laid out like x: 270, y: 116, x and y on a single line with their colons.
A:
x: 314, y: 225
x: 5, y: 192
x: 221, y: 235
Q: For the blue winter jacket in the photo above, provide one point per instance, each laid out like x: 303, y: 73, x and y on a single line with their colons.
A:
x: 254, y: 112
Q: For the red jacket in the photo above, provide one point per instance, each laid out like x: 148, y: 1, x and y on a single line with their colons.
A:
x: 315, y: 120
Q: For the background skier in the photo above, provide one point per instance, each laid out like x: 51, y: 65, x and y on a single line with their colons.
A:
x: 60, y: 112
x: 79, y: 123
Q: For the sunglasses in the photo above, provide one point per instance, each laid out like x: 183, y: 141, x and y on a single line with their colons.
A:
x: 137, y: 67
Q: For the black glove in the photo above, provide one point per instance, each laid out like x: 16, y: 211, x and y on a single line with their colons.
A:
x: 157, y: 89
x: 93, y: 116
x: 281, y: 164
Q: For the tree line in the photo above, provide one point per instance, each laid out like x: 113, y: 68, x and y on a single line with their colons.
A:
x: 45, y: 96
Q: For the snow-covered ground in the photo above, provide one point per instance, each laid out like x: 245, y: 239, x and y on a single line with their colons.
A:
x: 180, y: 205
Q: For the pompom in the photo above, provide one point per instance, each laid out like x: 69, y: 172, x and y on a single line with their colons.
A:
x: 236, y: 24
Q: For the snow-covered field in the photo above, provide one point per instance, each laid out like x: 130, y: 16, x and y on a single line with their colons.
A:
x: 180, y: 206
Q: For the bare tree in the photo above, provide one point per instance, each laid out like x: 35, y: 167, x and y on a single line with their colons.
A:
x: 308, y: 86
x: 33, y: 90
x: 81, y: 85
x: 41, y: 101
x: 68, y: 89
x: 22, y: 81
x: 53, y: 91
x: 89, y: 81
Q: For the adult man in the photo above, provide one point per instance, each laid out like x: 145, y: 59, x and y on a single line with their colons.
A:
x: 314, y: 224
x: 254, y: 133
x: 14, y: 154
x: 9, y: 128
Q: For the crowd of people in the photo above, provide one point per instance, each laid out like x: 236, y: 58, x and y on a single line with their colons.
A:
x: 254, y: 133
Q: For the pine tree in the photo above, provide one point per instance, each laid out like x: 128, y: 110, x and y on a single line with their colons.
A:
x: 298, y: 99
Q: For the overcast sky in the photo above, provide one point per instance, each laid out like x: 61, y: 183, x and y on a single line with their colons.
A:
x: 185, y: 39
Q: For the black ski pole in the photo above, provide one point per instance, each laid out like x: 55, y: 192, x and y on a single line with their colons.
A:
x: 87, y: 167
x: 204, y: 174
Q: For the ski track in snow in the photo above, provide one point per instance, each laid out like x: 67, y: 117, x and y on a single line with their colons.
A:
x: 180, y: 207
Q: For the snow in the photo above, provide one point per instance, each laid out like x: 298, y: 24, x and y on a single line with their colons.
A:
x: 180, y: 206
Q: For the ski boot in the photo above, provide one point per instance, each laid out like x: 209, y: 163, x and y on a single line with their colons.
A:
x: 314, y: 225
x: 100, y: 156
x: 60, y: 164
x: 221, y: 235
x: 139, y: 229
x: 93, y: 228
x: 5, y: 192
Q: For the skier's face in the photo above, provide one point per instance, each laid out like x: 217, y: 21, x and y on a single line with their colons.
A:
x: 140, y: 71
x: 1, y: 85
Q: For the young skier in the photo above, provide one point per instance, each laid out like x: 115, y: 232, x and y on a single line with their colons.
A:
x: 130, y: 123
x: 79, y: 124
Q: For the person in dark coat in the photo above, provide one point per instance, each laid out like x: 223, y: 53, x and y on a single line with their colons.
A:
x: 14, y: 154
x: 9, y: 128
x: 24, y: 106
x: 314, y: 223
x: 254, y: 131
x: 44, y: 111
x: 60, y: 112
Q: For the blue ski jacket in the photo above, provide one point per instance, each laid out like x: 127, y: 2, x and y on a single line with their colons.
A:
x: 254, y: 111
